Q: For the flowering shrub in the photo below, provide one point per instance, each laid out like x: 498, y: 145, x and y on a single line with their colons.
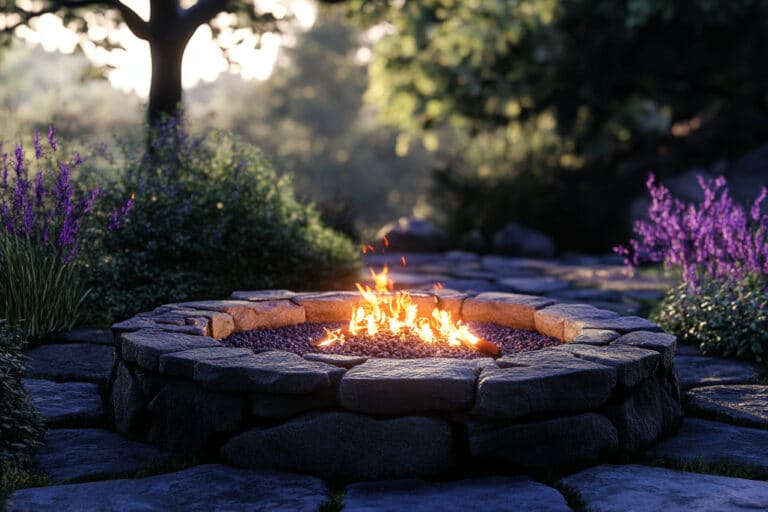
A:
x: 212, y: 216
x: 41, y: 223
x: 721, y: 250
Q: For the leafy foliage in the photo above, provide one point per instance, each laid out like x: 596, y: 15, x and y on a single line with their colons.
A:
x: 728, y: 319
x: 577, y: 98
x: 722, y: 252
x: 21, y: 428
x: 211, y: 216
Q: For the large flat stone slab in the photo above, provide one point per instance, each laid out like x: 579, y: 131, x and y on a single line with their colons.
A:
x: 329, y: 306
x: 552, y: 320
x: 199, y: 489
x: 716, y: 443
x: 533, y: 285
x: 745, y: 404
x: 500, y: 494
x: 249, y: 315
x: 621, y: 324
x: 695, y: 371
x: 348, y: 445
x: 542, y: 381
x: 623, y: 488
x: 144, y: 347
x: 542, y: 444
x: 85, y: 362
x: 182, y: 364
x: 632, y: 364
x: 271, y: 372
x: 74, y: 454
x: 663, y: 343
x: 391, y: 386
x: 67, y: 402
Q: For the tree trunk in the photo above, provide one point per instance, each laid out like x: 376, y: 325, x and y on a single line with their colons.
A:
x: 165, y: 90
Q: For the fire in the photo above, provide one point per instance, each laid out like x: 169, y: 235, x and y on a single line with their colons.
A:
x: 397, y: 314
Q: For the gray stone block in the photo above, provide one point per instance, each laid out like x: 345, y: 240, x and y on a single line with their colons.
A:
x: 84, y: 362
x: 513, y: 310
x: 499, y: 494
x: 661, y: 342
x: 73, y: 454
x: 182, y: 364
x: 199, y: 489
x: 745, y: 404
x: 271, y: 372
x: 346, y: 445
x: 145, y: 347
x: 542, y: 444
x: 696, y: 371
x: 62, y: 403
x: 631, y: 487
x: 542, y: 381
x: 632, y: 364
x: 391, y: 386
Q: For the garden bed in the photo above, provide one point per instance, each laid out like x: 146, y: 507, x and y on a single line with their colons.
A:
x: 609, y: 386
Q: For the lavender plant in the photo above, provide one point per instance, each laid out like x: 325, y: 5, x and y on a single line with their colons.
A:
x: 721, y: 250
x: 41, y: 232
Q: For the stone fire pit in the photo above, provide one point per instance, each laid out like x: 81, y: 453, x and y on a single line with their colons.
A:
x: 610, y: 387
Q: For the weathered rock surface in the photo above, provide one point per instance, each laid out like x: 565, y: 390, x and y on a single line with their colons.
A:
x: 259, y: 295
x: 716, y: 443
x: 249, y: 315
x: 542, y: 381
x: 644, y: 416
x: 186, y: 417
x: 182, y: 364
x: 279, y: 406
x: 413, y: 234
x: 745, y: 404
x: 621, y: 324
x: 85, y: 362
x: 391, y: 386
x: 542, y: 444
x: 494, y: 493
x: 552, y: 320
x: 127, y: 401
x: 199, y: 489
x: 66, y: 403
x: 622, y: 488
x: 513, y: 310
x: 339, y: 360
x: 272, y: 372
x: 346, y: 445
x: 695, y: 371
x: 328, y: 306
x: 144, y: 347
x: 73, y: 454
x: 632, y: 364
x: 516, y: 240
x: 661, y: 342
x: 598, y: 337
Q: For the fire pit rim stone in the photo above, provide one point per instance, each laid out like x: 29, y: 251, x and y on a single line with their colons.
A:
x: 155, y: 341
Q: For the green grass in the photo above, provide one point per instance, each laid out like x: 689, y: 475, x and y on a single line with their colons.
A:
x: 15, y: 475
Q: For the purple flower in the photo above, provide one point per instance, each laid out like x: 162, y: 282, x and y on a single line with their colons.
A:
x: 36, y: 144
x: 51, y: 141
x: 19, y: 164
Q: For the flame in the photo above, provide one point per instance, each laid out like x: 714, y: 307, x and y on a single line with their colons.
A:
x: 397, y: 314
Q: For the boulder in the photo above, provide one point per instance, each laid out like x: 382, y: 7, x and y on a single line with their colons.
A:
x: 516, y: 240
x: 411, y: 234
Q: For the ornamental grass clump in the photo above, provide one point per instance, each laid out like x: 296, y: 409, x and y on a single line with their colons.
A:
x: 721, y: 250
x: 41, y: 232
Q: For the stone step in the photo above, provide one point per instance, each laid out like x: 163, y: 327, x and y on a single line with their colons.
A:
x: 199, y: 489
x: 697, y: 370
x: 641, y: 488
x: 88, y: 335
x: 80, y: 362
x: 494, y: 493
x: 67, y: 403
x: 744, y: 404
x: 713, y: 442
x: 90, y: 453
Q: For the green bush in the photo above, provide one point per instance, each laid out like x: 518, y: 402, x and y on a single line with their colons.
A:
x: 728, y: 319
x: 211, y: 215
x: 21, y: 429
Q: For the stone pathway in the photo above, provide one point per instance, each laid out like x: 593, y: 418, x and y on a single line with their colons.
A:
x: 65, y: 378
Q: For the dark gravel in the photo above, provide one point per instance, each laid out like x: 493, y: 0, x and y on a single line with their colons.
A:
x: 300, y: 339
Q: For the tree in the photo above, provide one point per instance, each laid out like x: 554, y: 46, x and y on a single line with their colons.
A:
x: 168, y: 30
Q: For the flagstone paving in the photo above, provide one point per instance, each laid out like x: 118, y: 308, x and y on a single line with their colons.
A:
x: 81, y: 360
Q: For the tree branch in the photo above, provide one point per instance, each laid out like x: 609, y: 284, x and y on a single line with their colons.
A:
x: 138, y: 26
x: 203, y: 12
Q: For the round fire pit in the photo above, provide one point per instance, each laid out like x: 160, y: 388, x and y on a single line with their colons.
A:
x: 609, y: 386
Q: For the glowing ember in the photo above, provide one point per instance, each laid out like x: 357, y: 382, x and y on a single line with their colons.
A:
x: 397, y: 314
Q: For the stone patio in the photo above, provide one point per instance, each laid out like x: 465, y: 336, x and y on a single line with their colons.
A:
x: 605, y: 488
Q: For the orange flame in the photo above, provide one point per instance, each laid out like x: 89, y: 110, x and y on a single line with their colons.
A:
x: 397, y: 314
x: 402, y: 260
